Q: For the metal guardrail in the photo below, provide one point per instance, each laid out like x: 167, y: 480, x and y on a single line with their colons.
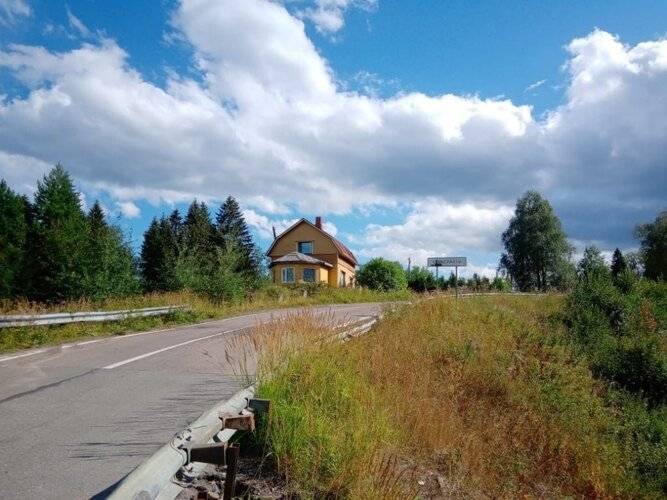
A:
x: 165, y: 474
x: 77, y: 317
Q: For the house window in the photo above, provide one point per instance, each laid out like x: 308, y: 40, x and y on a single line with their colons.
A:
x: 305, y: 247
x: 341, y: 280
x: 309, y: 275
x: 288, y: 275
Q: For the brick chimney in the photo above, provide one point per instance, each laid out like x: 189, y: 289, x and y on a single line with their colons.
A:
x: 318, y: 222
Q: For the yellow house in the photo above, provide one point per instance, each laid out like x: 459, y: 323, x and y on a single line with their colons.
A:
x: 306, y: 253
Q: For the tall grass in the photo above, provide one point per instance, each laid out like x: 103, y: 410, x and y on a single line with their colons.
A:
x: 200, y: 308
x: 484, y: 393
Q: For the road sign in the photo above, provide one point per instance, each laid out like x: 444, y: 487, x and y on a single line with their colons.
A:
x: 447, y: 262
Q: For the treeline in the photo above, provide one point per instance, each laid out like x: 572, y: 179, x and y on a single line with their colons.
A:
x: 538, y: 256
x: 51, y: 250
x: 219, y: 259
x: 385, y: 275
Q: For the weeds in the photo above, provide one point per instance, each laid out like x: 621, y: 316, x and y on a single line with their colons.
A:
x: 485, y: 393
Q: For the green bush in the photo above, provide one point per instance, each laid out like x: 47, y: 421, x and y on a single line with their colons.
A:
x: 420, y: 279
x: 501, y: 285
x: 382, y: 275
x: 616, y: 326
x: 217, y: 279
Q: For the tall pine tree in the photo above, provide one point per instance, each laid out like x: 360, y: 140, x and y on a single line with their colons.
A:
x: 109, y: 260
x: 198, y: 231
x: 160, y: 253
x: 57, y: 257
x: 232, y: 233
x: 13, y: 238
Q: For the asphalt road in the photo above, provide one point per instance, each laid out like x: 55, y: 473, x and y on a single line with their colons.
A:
x: 74, y: 419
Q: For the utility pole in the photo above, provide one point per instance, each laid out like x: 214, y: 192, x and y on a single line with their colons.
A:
x: 456, y: 268
x: 409, y: 264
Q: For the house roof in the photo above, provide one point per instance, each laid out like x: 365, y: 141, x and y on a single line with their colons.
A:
x: 344, y: 252
x: 299, y: 258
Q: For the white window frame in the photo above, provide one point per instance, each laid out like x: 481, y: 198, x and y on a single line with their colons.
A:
x: 283, y: 275
x: 341, y: 278
x: 312, y: 247
x: 314, y: 275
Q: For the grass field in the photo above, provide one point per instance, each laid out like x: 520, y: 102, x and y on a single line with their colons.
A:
x: 199, y: 309
x: 483, y: 397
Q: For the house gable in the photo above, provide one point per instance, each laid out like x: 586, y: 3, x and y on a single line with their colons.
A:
x: 323, y: 246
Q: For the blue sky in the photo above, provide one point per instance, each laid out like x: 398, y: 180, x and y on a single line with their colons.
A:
x: 410, y: 126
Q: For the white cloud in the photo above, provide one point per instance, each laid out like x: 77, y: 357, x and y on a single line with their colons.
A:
x: 330, y: 228
x: 434, y: 228
x: 10, y: 10
x: 329, y: 15
x: 271, y: 125
x: 129, y: 209
x: 264, y: 226
x: 76, y: 24
x: 534, y: 86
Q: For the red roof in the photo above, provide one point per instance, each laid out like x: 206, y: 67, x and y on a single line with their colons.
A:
x: 344, y: 252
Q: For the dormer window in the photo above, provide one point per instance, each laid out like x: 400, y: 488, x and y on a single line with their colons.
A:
x: 305, y: 247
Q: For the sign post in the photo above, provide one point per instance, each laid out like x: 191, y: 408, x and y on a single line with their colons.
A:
x: 454, y: 262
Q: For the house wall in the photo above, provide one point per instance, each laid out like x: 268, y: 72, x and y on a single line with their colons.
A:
x: 335, y: 274
x: 321, y: 273
x: 323, y: 249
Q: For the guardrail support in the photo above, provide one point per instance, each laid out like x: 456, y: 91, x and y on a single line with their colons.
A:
x: 245, y: 422
x: 208, y: 454
x: 259, y: 405
x: 232, y: 458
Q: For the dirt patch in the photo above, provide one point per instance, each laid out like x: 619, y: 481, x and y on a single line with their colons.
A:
x: 255, y: 480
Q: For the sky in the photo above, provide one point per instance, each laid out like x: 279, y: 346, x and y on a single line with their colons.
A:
x: 411, y: 127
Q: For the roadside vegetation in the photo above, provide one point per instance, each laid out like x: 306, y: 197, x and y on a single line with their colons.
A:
x: 553, y: 395
x: 200, y: 308
x: 487, y: 396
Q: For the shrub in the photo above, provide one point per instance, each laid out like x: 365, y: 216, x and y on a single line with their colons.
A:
x: 421, y: 279
x: 616, y: 326
x: 382, y: 275
x: 501, y: 285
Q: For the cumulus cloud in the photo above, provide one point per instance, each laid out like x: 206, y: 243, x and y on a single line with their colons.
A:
x: 10, y: 10
x: 265, y: 226
x: 129, y: 209
x: 434, y: 228
x: 268, y: 122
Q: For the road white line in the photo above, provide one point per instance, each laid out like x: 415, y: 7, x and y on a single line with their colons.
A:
x: 164, y: 349
x: 31, y: 353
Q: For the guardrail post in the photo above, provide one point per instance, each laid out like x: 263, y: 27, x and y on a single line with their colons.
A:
x: 232, y: 459
x: 208, y: 454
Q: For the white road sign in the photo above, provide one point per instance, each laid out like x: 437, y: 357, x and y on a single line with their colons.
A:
x: 447, y: 262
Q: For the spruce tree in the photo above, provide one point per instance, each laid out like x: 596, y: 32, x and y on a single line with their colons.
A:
x: 176, y: 225
x: 618, y: 264
x: 160, y: 252
x: 57, y: 257
x: 13, y: 239
x: 151, y: 259
x: 198, y: 231
x: 110, y: 264
x: 536, y: 249
x: 232, y: 233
